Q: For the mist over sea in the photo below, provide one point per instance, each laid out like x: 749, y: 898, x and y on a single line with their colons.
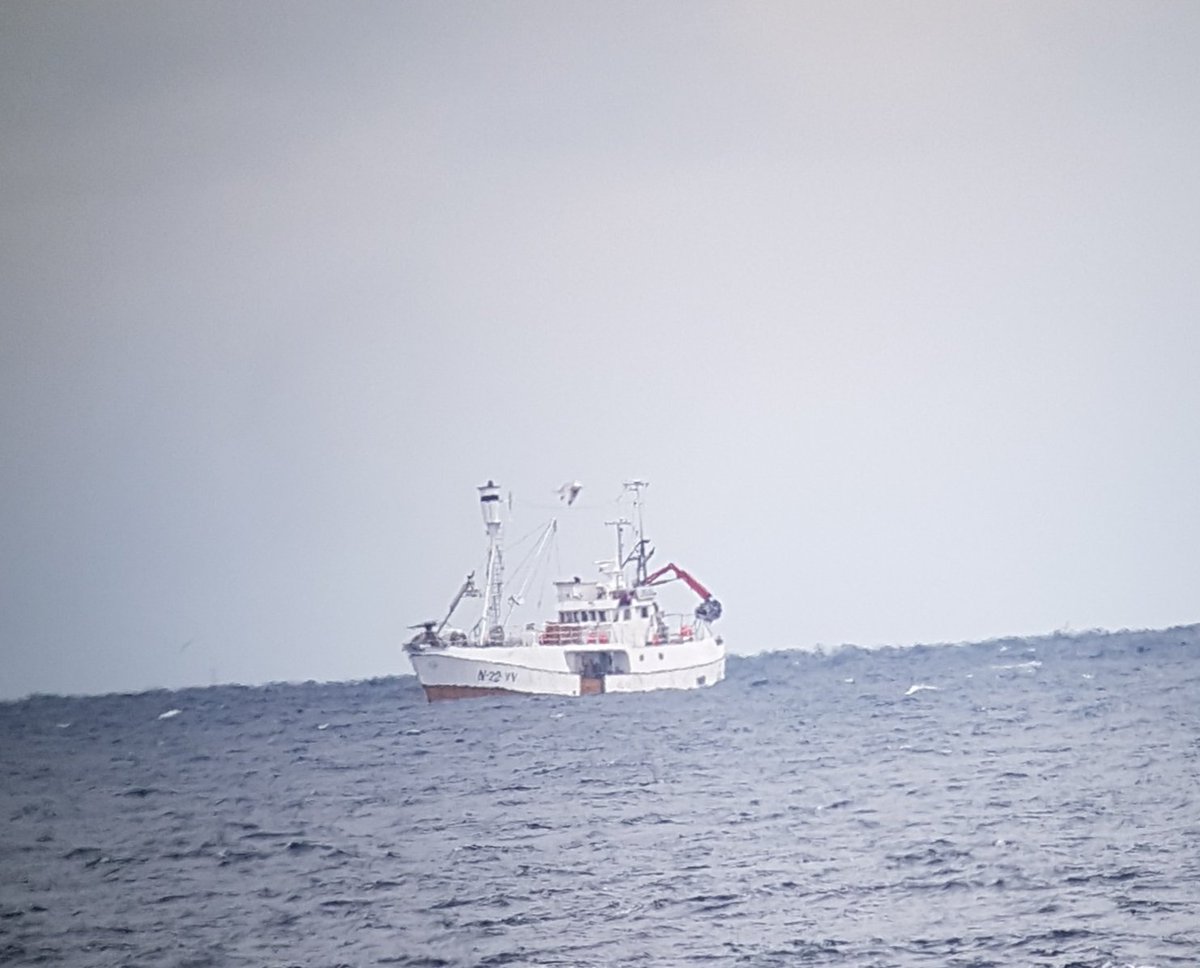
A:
x: 1016, y: 802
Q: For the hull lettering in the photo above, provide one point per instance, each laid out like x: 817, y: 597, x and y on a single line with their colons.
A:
x: 495, y: 676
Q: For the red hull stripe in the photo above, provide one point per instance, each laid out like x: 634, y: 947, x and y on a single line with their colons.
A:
x: 437, y: 693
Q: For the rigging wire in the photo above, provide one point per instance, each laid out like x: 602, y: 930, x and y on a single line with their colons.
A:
x: 538, y: 552
x: 534, y: 551
x: 520, y: 541
x: 544, y: 575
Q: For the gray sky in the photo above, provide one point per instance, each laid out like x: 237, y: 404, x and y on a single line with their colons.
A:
x: 897, y: 306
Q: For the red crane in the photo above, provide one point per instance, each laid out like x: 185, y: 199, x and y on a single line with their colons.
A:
x: 709, y: 610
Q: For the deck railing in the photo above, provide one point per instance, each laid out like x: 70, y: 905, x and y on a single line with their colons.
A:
x: 561, y: 633
x: 677, y: 629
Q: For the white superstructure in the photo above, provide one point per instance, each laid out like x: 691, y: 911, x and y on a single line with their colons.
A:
x: 608, y: 634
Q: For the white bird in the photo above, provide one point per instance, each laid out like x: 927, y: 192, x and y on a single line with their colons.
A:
x: 569, y: 491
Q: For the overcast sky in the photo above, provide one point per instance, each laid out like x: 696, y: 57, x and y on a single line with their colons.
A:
x: 896, y: 305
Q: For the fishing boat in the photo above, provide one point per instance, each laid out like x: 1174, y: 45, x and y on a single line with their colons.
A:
x: 607, y: 634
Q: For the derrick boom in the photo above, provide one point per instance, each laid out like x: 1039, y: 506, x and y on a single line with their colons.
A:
x: 709, y: 609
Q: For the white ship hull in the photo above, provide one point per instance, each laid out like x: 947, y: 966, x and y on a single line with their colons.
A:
x: 458, y: 672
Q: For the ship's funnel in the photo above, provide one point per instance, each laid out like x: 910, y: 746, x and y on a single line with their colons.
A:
x: 489, y: 505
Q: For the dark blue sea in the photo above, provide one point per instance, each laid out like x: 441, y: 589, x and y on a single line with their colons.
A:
x: 1017, y: 802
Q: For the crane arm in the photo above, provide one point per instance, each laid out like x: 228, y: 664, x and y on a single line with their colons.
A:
x: 681, y: 574
x: 709, y: 610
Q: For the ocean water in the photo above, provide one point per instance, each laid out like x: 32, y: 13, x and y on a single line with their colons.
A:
x: 1020, y: 802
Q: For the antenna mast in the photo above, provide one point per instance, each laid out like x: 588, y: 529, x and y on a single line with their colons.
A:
x: 639, y: 549
x: 620, y: 524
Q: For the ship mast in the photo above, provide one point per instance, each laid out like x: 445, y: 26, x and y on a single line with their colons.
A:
x: 493, y: 593
x: 620, y: 524
x: 639, y: 548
